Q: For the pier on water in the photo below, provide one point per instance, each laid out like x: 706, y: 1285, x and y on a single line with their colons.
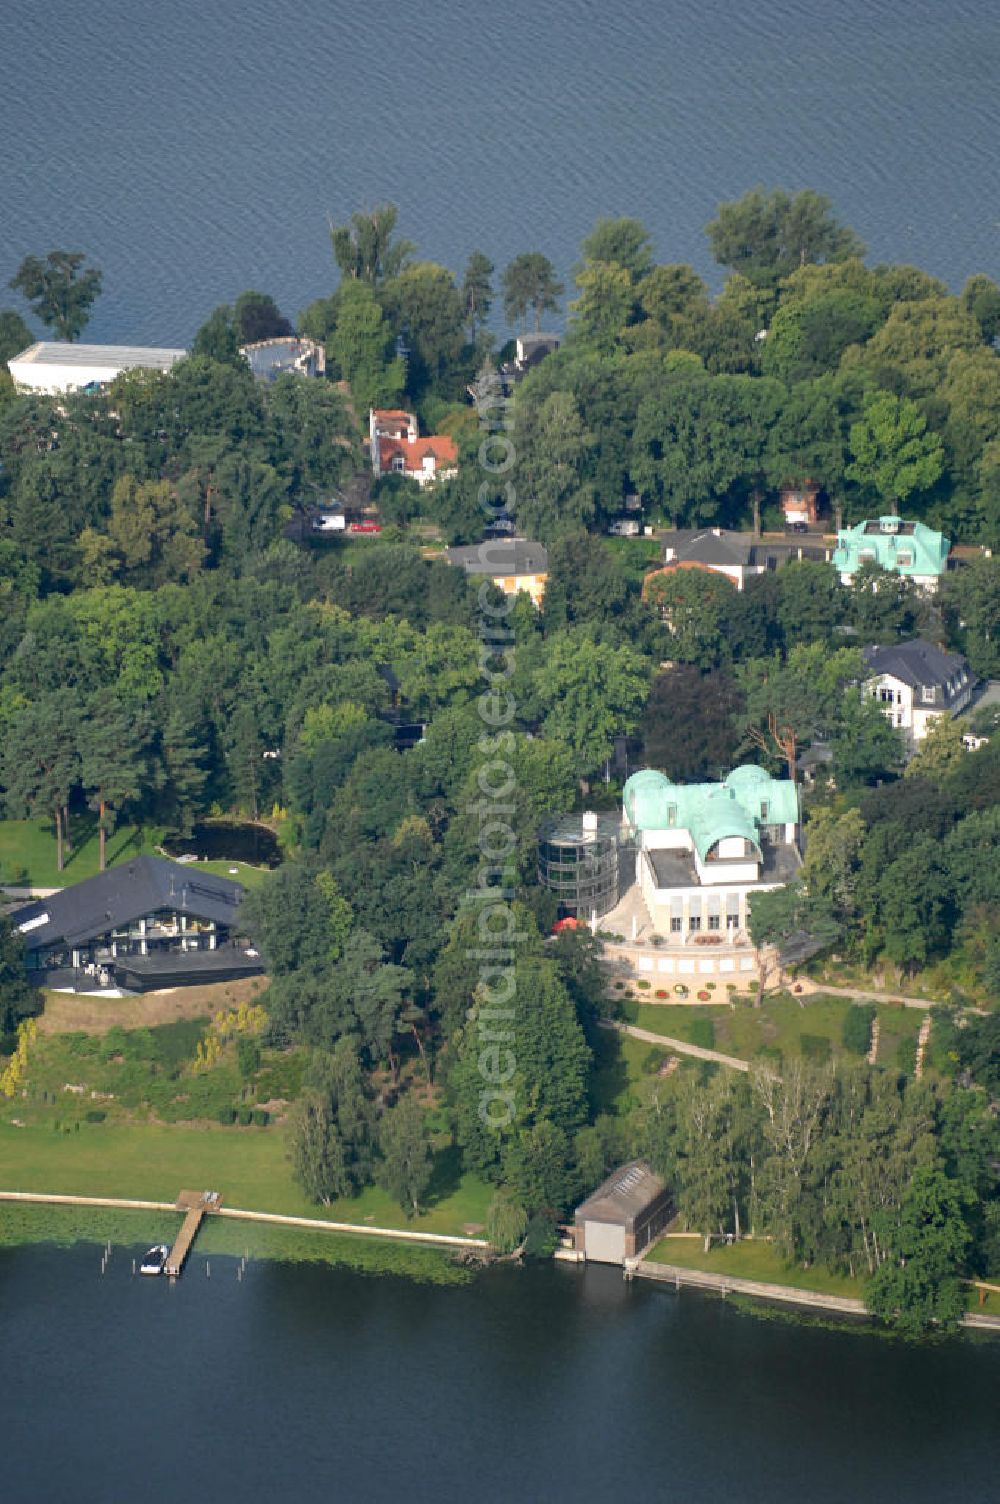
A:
x: 196, y: 1205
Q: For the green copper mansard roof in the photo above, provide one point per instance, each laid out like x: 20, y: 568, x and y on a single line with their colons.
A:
x: 907, y: 548
x: 747, y: 799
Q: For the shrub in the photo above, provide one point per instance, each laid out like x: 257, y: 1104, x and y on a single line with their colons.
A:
x: 856, y: 1033
x: 619, y: 986
x: 906, y: 1055
x: 815, y: 1047
x: 660, y: 992
x: 226, y: 1116
x: 710, y: 986
x: 771, y: 1053
x: 94, y: 1115
x: 245, y: 1117
x: 703, y: 996
x: 652, y: 1060
x: 753, y: 986
x: 261, y: 1117
x: 115, y: 1042
x: 703, y: 1032
x: 642, y: 984
x: 731, y: 988
x: 247, y: 1056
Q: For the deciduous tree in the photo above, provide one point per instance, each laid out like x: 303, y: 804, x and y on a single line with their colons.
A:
x: 59, y: 290
x: 406, y: 1163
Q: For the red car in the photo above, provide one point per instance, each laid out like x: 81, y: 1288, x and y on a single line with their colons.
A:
x: 365, y: 527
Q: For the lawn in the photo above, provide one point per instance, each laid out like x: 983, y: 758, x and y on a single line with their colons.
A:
x: 622, y: 1072
x: 752, y: 1259
x: 28, y: 853
x: 152, y: 1162
x: 778, y: 1026
x: 28, y: 850
x: 637, y: 555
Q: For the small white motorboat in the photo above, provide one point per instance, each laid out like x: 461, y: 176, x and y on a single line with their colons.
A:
x: 154, y: 1259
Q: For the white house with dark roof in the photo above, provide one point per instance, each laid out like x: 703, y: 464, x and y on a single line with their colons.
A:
x: 915, y: 683
x: 738, y: 556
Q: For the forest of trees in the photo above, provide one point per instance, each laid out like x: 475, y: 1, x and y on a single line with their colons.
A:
x: 170, y: 649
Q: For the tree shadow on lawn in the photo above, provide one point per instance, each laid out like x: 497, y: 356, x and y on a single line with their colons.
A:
x: 127, y: 840
x: 609, y: 1079
x: 447, y: 1176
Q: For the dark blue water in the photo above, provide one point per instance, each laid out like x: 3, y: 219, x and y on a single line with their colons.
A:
x: 198, y: 147
x: 543, y: 1385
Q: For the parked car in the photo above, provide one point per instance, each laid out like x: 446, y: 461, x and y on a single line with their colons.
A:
x: 624, y: 527
x: 329, y: 522
x: 796, y: 527
x: 365, y: 527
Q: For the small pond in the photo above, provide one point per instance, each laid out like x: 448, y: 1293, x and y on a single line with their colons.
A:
x: 226, y: 841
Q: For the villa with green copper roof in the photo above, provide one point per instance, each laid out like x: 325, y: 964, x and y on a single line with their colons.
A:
x: 909, y: 549
x: 703, y: 849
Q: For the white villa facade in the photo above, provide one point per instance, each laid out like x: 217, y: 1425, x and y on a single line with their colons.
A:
x: 702, y: 851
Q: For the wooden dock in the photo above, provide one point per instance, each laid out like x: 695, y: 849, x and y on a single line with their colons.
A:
x: 196, y: 1205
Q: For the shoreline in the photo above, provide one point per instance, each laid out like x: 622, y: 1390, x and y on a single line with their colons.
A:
x: 28, y: 1217
x: 774, y: 1295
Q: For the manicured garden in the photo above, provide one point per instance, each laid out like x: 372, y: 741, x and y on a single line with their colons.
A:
x: 783, y: 1026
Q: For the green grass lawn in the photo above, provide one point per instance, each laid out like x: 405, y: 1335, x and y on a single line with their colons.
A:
x: 779, y: 1025
x: 28, y: 850
x: 623, y: 1072
x: 28, y: 853
x: 752, y: 1260
x: 240, y: 872
x: 152, y: 1162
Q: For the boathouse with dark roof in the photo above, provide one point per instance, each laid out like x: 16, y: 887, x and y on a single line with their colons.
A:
x: 623, y: 1215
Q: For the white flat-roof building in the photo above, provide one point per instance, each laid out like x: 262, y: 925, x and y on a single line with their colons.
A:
x: 52, y: 366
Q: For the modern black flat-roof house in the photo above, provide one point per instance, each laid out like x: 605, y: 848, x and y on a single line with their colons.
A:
x: 144, y: 924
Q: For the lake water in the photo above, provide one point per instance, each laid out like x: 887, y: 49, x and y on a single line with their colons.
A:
x: 549, y: 1385
x: 194, y: 149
